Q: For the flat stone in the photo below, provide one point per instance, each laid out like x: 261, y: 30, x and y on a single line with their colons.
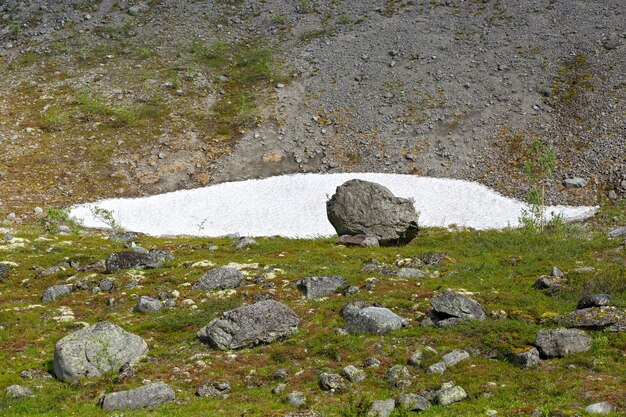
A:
x: 454, y: 357
x: 358, y: 240
x: 575, y: 182
x: 594, y: 300
x: 452, y: 304
x: 619, y: 232
x: 561, y: 342
x: 593, y: 317
x: 137, y: 259
x: 410, y: 273
x: 317, y: 287
x: 52, y: 293
x: 219, y: 279
x: 148, y: 396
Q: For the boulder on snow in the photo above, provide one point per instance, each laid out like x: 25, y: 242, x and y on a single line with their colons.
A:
x: 365, y: 208
x: 94, y: 350
x: 258, y: 323
x: 219, y: 279
x: 153, y: 258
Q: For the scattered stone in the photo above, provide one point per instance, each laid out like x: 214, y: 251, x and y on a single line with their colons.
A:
x: 353, y: 289
x: 619, y: 232
x: 4, y: 271
x: 126, y: 236
x: 372, y: 320
x: 450, y: 393
x: 410, y: 273
x: 94, y: 350
x: 296, y: 399
x: 526, y: 359
x: 397, y: 372
x: 358, y: 240
x: 219, y: 279
x: 214, y: 389
x: 99, y: 266
x: 51, y: 293
x: 449, y: 307
x: 353, y: 374
x: 262, y: 322
x: 454, y: 357
x: 244, y: 243
x: 280, y: 374
x: 108, y: 284
x: 317, y: 287
x: 279, y: 389
x: 332, y: 382
x: 147, y: 304
x: 419, y: 355
x: 365, y: 208
x: 382, y: 408
x: 556, y: 272
x: 561, y: 342
x: 594, y: 300
x: 437, y: 368
x: 593, y: 317
x: 550, y: 284
x: 599, y: 408
x: 370, y: 363
x: 575, y: 182
x: 413, y: 402
x: 18, y: 391
x: 35, y: 374
x: 150, y: 395
x: 134, y: 259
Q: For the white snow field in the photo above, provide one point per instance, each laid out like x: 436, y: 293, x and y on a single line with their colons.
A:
x: 295, y: 206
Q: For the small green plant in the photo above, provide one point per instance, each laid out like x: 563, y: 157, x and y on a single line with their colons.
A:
x: 344, y: 19
x: 540, y: 165
x: 356, y: 409
x: 53, y: 120
x: 55, y: 218
x: 106, y: 217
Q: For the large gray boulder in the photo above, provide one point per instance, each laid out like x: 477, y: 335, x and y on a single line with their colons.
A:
x: 150, y: 395
x: 258, y: 323
x: 371, y: 320
x: 451, y: 305
x: 317, y: 287
x: 561, y: 342
x: 219, y: 279
x: 365, y: 208
x: 153, y: 258
x: 94, y: 350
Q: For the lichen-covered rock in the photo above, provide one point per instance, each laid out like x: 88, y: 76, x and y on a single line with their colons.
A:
x: 413, y: 402
x: 561, y: 342
x: 137, y: 259
x: 317, y: 287
x: 219, y: 279
x: 593, y: 318
x: 373, y: 320
x: 594, y: 300
x: 353, y: 373
x: 450, y: 393
x: 94, y: 350
x: 258, y: 323
x: 382, y: 408
x: 332, y: 382
x: 147, y: 304
x: 18, y: 391
x: 456, y: 306
x: 52, y: 293
x: 365, y: 208
x: 526, y: 359
x: 148, y: 396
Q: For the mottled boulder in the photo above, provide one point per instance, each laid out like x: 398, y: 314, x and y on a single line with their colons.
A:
x: 219, y: 279
x: 18, y: 391
x: 366, y: 208
x: 526, y: 359
x: 296, y: 399
x: 258, y: 323
x: 450, y: 393
x: 619, y: 232
x: 52, y: 293
x: 148, y: 396
x: 317, y: 287
x: 94, y: 350
x: 382, y: 408
x: 451, y: 305
x: 331, y: 382
x: 372, y: 320
x: 413, y: 402
x: 561, y: 342
x: 550, y: 284
x: 147, y: 304
x: 594, y: 300
x: 137, y: 259
x: 599, y: 408
x: 353, y: 374
x: 214, y: 389
x: 454, y: 357
x: 593, y: 317
x: 4, y: 271
x: 358, y: 240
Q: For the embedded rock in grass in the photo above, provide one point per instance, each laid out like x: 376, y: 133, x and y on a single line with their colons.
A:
x: 419, y: 355
x: 317, y: 287
x: 437, y: 368
x: 51, y: 293
x: 382, y: 408
x: 4, y: 271
x: 125, y: 236
x: 594, y: 300
x: 413, y: 402
x: 561, y: 342
x: 94, y: 350
x: 449, y: 307
x: 18, y: 391
x: 594, y: 318
x: 214, y: 389
x: 147, y: 305
x: 599, y: 408
x: 358, y: 240
x: 219, y: 279
x: 372, y: 320
x: 353, y: 373
x: 254, y: 324
x: 450, y: 393
x: 244, y: 243
x: 332, y: 382
x: 150, y: 395
x: 550, y: 284
x: 296, y: 399
x: 526, y: 359
x: 365, y: 208
x: 619, y: 232
x: 153, y: 258
x: 410, y: 273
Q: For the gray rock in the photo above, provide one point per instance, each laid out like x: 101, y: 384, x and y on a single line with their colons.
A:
x: 561, y: 342
x: 527, y: 359
x: 296, y: 399
x: 358, y: 240
x: 4, y: 271
x: 556, y: 272
x: 370, y: 363
x: 382, y: 408
x: 219, y: 279
x: 619, y: 232
x: 545, y: 282
x: 214, y: 389
x: 147, y: 304
x: 148, y: 396
x: 244, y: 243
x: 575, y: 182
x: 94, y: 350
x: 18, y: 391
x: 108, y: 284
x: 366, y: 208
x: 410, y: 273
x: 451, y: 304
x: 280, y: 374
x: 593, y: 317
x: 594, y: 300
x: 454, y: 357
x: 373, y: 320
x: 599, y: 408
x: 397, y: 372
x: 353, y: 374
x: 437, y: 368
x: 262, y: 322
x: 35, y: 374
x: 419, y: 355
x: 317, y: 287
x: 134, y: 259
x: 125, y: 236
x: 413, y: 402
x: 51, y: 293
x: 450, y: 393
x: 99, y: 266
x: 449, y: 322
x: 331, y: 382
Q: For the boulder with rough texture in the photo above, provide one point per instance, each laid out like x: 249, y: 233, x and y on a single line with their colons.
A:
x: 94, y: 350
x: 296, y: 399
x: 214, y: 389
x: 331, y: 382
x: 599, y: 408
x: 413, y: 402
x: 147, y: 304
x: 594, y: 300
x: 454, y: 357
x: 137, y: 259
x: 373, y: 320
x: 4, y: 271
x: 450, y: 393
x: 353, y: 374
x: 317, y: 287
x: 51, y: 293
x: 148, y: 396
x: 419, y: 355
x: 619, y: 232
x: 526, y: 359
x: 593, y: 317
x: 358, y: 240
x: 561, y: 342
x: 18, y: 391
x: 365, y: 208
x: 382, y: 408
x: 453, y: 305
x: 258, y: 323
x: 219, y: 279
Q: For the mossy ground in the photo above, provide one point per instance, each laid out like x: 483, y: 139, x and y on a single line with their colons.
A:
x: 498, y: 266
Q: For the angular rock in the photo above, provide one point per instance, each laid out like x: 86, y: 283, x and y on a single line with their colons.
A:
x: 594, y: 300
x: 365, y: 208
x: 437, y: 368
x: 353, y: 374
x: 397, y: 372
x: 410, y: 273
x: 214, y: 389
x: 99, y: 266
x: 545, y: 282
x: 575, y: 182
x: 147, y: 304
x: 244, y: 243
x: 450, y: 393
x: 35, y: 374
x: 358, y: 240
x: 18, y: 391
x: 593, y: 317
x: 373, y: 320
x: 454, y: 357
x: 51, y: 293
x: 382, y: 408
x: 599, y: 408
x: 135, y: 259
x: 332, y: 382
x: 619, y: 232
x: 296, y: 399
x: 108, y: 284
x: 262, y: 322
x: 526, y: 359
x: 370, y: 363
x: 561, y: 342
x: 94, y: 350
x: 317, y: 287
x: 453, y: 305
x: 150, y: 395
x: 413, y: 402
x: 219, y: 279
x: 4, y: 271
x: 556, y: 272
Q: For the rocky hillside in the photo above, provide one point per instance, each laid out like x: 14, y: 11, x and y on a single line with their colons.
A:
x: 122, y: 98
